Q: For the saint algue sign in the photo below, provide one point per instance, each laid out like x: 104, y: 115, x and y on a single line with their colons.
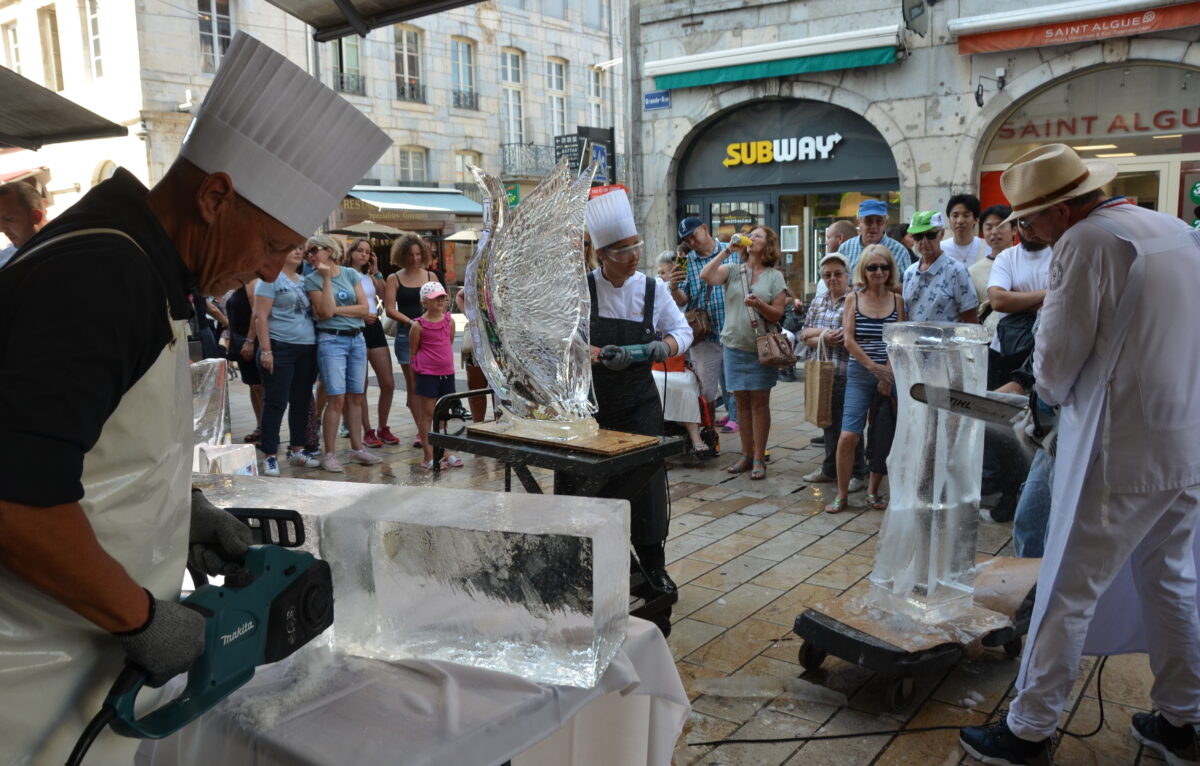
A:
x: 797, y: 149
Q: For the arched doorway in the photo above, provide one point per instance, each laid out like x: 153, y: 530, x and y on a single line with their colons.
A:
x: 1142, y: 116
x: 791, y: 164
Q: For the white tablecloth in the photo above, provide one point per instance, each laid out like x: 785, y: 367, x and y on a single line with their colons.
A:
x: 441, y: 714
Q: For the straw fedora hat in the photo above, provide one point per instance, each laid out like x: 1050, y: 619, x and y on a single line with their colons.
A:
x: 1051, y: 174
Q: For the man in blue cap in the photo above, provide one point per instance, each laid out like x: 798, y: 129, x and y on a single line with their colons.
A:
x: 872, y: 219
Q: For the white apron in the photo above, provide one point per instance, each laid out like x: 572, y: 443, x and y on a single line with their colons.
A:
x: 1116, y: 627
x: 55, y: 666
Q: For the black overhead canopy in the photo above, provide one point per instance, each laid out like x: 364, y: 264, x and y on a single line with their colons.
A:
x: 337, y: 18
x: 32, y: 116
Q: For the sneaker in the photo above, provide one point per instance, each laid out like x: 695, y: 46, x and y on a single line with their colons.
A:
x: 856, y: 484
x: 304, y: 460
x: 371, y: 440
x: 330, y: 463
x: 730, y: 427
x: 1177, y: 744
x: 386, y: 436
x: 997, y: 745
x: 818, y: 477
x: 817, y: 441
x: 344, y: 432
x: 362, y: 457
x: 1004, y: 510
x: 270, y: 466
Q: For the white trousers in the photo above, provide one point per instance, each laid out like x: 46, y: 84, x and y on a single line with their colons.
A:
x: 708, y: 362
x: 1154, y: 532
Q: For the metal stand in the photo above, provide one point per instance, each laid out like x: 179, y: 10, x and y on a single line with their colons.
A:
x: 581, y: 474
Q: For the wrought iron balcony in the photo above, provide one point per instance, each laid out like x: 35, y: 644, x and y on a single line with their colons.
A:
x: 470, y: 191
x: 465, y: 99
x: 410, y: 91
x: 350, y: 82
x: 526, y: 160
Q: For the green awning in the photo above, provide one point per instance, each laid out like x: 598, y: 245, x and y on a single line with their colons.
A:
x: 422, y: 202
x: 825, y: 62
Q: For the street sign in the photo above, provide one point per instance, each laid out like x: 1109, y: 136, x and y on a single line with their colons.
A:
x: 600, y: 158
x: 513, y: 192
x: 570, y: 147
x: 656, y: 99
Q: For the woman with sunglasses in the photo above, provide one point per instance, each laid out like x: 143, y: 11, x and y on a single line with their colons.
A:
x: 868, y: 373
x: 363, y: 260
x: 750, y: 382
x: 630, y: 310
x: 340, y: 305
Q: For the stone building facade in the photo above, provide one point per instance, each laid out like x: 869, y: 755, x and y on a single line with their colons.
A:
x: 788, y: 113
x: 491, y: 84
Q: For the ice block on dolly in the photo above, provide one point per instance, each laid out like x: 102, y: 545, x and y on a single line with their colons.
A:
x: 533, y: 585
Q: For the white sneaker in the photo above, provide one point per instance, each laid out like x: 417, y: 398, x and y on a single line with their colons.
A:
x: 344, y: 432
x: 818, y: 477
x: 270, y: 466
x: 856, y: 484
x: 330, y: 463
x: 303, y: 460
x: 362, y: 457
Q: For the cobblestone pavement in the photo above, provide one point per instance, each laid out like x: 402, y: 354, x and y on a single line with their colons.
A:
x: 749, y: 557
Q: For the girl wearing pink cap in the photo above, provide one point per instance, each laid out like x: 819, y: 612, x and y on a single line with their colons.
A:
x: 431, y: 340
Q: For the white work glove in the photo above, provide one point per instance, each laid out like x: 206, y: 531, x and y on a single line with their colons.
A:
x: 217, y: 540
x: 168, y: 643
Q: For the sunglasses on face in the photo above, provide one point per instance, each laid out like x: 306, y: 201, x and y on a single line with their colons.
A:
x: 314, y: 250
x: 833, y: 275
x: 874, y: 267
x: 932, y: 234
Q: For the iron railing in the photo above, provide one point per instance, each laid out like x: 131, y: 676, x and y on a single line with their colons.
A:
x: 470, y: 191
x: 350, y: 82
x: 526, y: 159
x: 410, y: 91
x: 465, y: 99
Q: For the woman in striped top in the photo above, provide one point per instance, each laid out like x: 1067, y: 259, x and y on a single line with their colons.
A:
x: 868, y: 374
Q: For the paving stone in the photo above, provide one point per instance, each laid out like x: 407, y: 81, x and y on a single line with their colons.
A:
x: 685, y: 570
x: 726, y: 525
x: 736, y: 605
x: 734, y: 572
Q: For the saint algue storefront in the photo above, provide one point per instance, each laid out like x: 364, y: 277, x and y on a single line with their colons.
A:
x: 1142, y: 116
x: 793, y: 165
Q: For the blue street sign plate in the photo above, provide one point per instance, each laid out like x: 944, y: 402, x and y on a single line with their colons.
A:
x: 656, y: 99
x: 600, y: 157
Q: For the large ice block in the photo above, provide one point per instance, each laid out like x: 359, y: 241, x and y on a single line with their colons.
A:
x: 926, y: 558
x: 537, y: 586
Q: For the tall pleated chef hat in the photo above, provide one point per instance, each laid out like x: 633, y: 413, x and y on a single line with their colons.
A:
x: 609, y: 218
x: 292, y: 146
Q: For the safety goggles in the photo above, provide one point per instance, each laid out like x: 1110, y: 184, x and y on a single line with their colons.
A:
x: 625, y: 254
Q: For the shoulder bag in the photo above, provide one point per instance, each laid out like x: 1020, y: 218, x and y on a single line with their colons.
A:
x: 699, y: 319
x: 774, y: 349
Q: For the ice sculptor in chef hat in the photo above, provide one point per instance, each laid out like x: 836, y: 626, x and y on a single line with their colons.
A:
x: 292, y: 146
x: 610, y: 219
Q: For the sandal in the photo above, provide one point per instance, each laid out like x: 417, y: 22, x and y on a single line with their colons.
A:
x: 701, y: 451
x: 254, y: 437
x: 452, y: 461
x: 742, y: 465
x: 759, y: 472
x: 416, y: 444
x: 876, y: 502
x: 837, y: 506
x: 425, y: 466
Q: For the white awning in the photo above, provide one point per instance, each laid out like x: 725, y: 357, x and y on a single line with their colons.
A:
x: 1046, y: 14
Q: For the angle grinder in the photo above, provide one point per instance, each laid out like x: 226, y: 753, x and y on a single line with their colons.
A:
x: 281, y: 601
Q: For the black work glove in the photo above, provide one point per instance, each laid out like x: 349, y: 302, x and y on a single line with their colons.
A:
x: 217, y: 540
x: 658, y: 350
x: 169, y: 642
x: 615, y: 357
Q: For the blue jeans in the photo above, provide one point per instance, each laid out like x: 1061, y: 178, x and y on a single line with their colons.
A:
x: 861, y: 386
x: 1033, y: 509
x: 288, y: 387
x: 342, y: 361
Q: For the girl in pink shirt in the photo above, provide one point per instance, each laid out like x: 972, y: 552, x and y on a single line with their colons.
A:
x: 431, y: 341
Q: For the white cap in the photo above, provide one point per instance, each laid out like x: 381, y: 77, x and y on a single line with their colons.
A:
x: 609, y: 218
x: 292, y: 146
x: 432, y: 290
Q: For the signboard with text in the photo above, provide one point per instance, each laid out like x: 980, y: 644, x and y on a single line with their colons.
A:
x: 656, y: 99
x: 1082, y: 30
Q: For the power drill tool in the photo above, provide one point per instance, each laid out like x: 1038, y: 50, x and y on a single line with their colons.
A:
x: 639, y: 352
x: 282, y: 600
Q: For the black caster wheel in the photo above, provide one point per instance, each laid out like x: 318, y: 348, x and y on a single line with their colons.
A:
x: 899, y: 694
x: 1012, y: 649
x: 811, y: 657
x: 663, y: 623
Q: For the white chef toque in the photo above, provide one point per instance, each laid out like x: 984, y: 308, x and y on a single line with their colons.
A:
x: 609, y: 218
x: 292, y: 146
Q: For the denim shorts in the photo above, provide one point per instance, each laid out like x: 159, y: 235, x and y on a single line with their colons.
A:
x: 744, y: 373
x: 342, y: 361
x: 860, y: 388
x: 401, y: 345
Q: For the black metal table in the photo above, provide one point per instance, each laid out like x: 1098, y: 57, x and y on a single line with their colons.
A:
x: 580, y: 474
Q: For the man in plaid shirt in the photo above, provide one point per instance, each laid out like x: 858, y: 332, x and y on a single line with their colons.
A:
x: 825, y: 317
x: 690, y: 293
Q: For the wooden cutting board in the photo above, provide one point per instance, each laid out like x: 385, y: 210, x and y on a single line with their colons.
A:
x: 603, y: 443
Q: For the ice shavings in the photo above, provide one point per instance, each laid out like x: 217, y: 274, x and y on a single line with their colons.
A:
x: 770, y: 687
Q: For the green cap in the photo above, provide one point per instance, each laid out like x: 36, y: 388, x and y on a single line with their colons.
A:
x: 924, y: 220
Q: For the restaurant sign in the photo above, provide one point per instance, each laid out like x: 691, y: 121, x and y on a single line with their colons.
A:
x: 1083, y: 30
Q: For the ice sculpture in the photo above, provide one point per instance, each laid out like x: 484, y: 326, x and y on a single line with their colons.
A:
x: 210, y: 401
x: 926, y: 561
x: 527, y: 302
x: 537, y: 586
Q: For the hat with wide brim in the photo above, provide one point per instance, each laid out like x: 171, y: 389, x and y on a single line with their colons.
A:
x: 1049, y: 175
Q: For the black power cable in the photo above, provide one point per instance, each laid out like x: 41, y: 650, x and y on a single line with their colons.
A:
x: 893, y: 732
x: 93, y: 729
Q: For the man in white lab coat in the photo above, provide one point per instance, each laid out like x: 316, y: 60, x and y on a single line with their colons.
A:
x: 1117, y: 349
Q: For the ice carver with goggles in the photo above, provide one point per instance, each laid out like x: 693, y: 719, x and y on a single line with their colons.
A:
x: 634, y: 322
x: 97, y: 517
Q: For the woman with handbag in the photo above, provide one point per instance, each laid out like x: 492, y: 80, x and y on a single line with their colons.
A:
x: 755, y: 293
x: 869, y: 373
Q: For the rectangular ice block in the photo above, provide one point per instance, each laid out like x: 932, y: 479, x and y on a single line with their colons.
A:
x: 533, y: 585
